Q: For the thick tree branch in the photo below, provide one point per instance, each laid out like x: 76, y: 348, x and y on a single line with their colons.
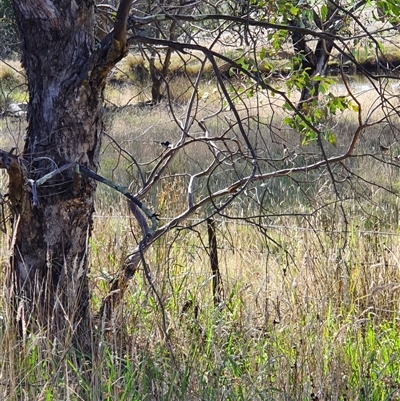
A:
x: 119, y: 47
x: 111, y: 49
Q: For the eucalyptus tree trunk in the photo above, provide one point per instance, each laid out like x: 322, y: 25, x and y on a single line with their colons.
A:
x: 52, y: 222
x: 315, y: 62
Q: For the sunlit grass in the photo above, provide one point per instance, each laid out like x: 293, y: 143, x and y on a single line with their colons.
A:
x: 310, y: 305
x: 12, y: 84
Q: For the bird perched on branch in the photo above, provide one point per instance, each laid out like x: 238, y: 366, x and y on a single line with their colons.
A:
x: 165, y: 144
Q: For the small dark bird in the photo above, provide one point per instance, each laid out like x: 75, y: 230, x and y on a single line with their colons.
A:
x: 384, y: 149
x: 166, y: 144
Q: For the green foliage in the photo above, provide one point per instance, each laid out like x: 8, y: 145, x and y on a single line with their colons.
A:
x: 316, y: 111
x: 389, y: 10
x: 324, y: 12
x: 277, y: 39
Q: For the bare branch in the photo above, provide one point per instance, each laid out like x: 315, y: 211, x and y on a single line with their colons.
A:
x: 135, y: 21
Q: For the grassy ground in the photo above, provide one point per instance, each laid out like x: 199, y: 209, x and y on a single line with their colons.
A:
x: 310, y: 303
x: 319, y: 324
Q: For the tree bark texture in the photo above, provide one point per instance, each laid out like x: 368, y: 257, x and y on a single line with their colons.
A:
x: 66, y: 77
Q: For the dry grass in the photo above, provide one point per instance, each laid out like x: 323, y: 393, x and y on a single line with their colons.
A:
x: 311, y: 293
x: 287, y: 327
x: 12, y: 84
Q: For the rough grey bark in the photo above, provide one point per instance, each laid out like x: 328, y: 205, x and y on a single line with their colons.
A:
x: 66, y: 77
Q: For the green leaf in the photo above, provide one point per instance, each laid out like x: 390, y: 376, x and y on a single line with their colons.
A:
x: 330, y: 137
x: 243, y: 63
x: 353, y: 107
x: 287, y: 106
x: 250, y: 93
x: 267, y: 66
x: 323, y: 87
x: 288, y: 121
x: 324, y: 12
x: 294, y: 10
x: 263, y: 53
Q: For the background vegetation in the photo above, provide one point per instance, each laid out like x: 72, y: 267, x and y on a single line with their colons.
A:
x: 309, y: 260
